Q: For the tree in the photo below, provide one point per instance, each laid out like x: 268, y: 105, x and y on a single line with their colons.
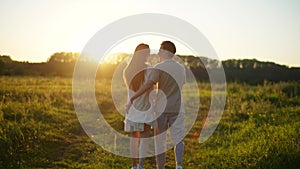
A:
x: 2, y: 67
x: 63, y: 57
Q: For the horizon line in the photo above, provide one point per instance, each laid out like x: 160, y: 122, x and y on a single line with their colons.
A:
x: 253, y: 58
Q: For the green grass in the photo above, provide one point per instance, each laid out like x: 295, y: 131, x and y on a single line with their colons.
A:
x: 39, y: 128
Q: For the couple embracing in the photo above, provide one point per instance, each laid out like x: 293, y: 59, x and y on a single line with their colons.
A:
x: 142, y: 81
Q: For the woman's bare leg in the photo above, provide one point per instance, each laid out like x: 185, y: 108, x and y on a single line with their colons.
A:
x: 144, y: 144
x: 134, y: 147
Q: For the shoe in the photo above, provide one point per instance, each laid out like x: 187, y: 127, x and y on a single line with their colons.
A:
x: 140, y: 167
x: 133, y: 167
x: 179, y: 167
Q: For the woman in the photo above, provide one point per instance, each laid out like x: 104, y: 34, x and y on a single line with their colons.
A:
x: 134, y: 75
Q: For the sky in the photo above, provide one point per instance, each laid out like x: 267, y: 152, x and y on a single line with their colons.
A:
x: 266, y: 30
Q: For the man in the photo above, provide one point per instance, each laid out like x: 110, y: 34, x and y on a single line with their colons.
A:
x: 170, y: 76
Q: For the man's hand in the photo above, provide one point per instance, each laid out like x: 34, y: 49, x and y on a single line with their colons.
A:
x: 128, y: 105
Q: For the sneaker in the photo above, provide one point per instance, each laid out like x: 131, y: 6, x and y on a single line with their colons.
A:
x: 140, y: 167
x: 179, y: 167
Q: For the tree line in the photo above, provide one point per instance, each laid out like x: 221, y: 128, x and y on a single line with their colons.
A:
x: 246, y: 70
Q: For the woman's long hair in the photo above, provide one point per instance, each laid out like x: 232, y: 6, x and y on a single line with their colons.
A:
x: 134, y: 73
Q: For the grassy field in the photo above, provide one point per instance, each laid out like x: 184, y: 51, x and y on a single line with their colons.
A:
x: 260, y: 128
